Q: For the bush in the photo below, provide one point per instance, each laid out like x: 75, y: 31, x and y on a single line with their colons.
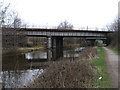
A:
x: 77, y: 73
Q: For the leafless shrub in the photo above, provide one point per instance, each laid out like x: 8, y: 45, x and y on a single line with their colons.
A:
x: 76, y: 73
x: 89, y: 54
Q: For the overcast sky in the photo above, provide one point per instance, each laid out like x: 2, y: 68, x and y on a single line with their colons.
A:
x: 80, y: 13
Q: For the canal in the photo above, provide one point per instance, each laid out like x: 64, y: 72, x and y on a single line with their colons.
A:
x: 20, y: 69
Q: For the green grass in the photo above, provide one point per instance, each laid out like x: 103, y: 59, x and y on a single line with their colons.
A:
x: 101, y: 70
x: 114, y: 50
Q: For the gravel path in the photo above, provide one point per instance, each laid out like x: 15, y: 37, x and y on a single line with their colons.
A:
x: 112, y: 63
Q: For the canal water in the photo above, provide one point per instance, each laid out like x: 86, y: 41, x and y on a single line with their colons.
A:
x: 19, y: 70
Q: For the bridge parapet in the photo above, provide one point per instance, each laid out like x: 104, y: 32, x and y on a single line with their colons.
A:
x: 65, y: 33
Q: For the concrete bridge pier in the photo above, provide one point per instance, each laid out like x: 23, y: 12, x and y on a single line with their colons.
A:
x: 49, y: 48
x: 55, y: 47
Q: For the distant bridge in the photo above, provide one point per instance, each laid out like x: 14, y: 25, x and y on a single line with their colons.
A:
x: 55, y: 36
x: 64, y: 32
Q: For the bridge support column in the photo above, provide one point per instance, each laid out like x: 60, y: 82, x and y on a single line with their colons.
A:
x: 57, y: 47
x: 49, y: 48
x: 54, y: 51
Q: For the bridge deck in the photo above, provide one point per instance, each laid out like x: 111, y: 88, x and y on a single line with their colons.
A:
x: 61, y: 32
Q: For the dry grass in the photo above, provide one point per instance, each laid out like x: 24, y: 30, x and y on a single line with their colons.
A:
x: 29, y: 49
x: 77, y: 73
x: 89, y: 54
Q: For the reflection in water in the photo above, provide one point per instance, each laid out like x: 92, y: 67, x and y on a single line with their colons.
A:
x: 73, y: 53
x: 69, y: 54
x: 19, y: 78
x: 17, y: 69
x: 79, y: 49
x: 36, y: 55
x: 43, y: 54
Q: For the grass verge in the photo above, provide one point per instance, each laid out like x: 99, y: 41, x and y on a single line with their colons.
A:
x: 114, y: 50
x: 101, y: 70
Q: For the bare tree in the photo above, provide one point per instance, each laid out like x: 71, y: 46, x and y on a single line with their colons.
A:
x: 16, y: 23
x: 9, y: 18
x: 11, y: 38
x: 3, y: 13
x: 115, y: 26
x: 65, y: 25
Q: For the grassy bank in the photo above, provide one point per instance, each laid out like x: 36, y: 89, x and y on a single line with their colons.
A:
x: 101, y: 70
x: 30, y: 49
x: 114, y: 50
x: 21, y: 50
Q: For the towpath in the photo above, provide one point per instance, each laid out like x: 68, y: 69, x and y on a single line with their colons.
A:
x: 112, y: 65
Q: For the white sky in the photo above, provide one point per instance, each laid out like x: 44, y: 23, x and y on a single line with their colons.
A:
x: 80, y: 13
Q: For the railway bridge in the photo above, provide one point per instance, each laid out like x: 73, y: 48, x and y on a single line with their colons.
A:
x: 55, y: 37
